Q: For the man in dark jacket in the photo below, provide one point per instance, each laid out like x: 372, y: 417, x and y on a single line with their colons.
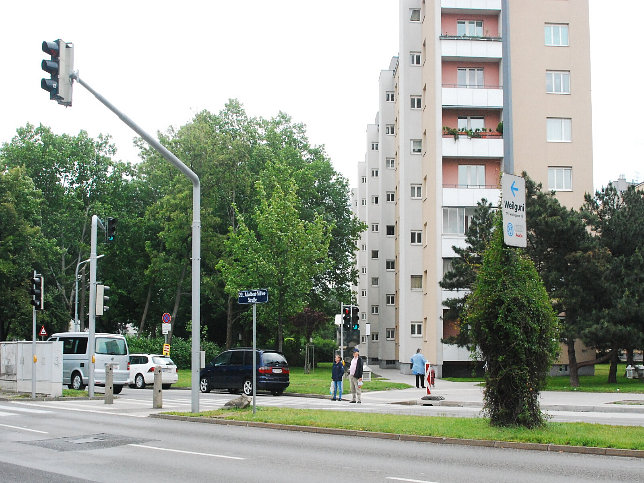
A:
x: 337, y: 373
x: 355, y: 376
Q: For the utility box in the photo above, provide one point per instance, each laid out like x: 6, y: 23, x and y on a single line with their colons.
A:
x: 16, y: 363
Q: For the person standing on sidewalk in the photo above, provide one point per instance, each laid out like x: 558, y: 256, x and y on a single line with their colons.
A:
x: 355, y: 376
x: 337, y: 373
x: 418, y: 367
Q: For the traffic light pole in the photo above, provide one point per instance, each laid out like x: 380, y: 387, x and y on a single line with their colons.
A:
x: 92, y: 304
x: 33, y: 352
x: 196, y: 238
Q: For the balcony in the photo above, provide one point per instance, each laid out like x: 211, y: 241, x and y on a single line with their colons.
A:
x: 472, y: 6
x: 487, y: 97
x: 480, y: 48
x: 475, y: 147
x: 457, y: 195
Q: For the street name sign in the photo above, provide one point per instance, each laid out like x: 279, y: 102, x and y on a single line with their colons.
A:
x: 257, y: 296
x: 513, y: 208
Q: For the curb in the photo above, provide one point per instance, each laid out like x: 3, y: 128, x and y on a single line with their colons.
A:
x: 556, y: 448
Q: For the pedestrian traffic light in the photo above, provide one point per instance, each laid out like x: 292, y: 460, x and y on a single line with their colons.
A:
x: 60, y: 67
x: 110, y: 229
x: 101, y: 299
x: 37, y: 291
x: 346, y: 317
x: 355, y: 318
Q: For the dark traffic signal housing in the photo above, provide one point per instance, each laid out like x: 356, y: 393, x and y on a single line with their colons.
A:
x: 60, y: 68
x: 355, y: 318
x: 346, y: 317
x: 37, y: 291
x: 110, y: 229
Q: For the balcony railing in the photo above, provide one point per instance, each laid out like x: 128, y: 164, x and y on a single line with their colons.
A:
x: 470, y: 37
x: 465, y: 86
x: 472, y: 186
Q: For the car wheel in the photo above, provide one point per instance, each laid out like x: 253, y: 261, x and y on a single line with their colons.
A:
x: 139, y: 381
x: 204, y: 385
x: 278, y: 392
x: 117, y: 389
x: 166, y: 386
x: 247, y: 388
x: 77, y: 382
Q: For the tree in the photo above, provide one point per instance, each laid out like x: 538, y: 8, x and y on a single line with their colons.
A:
x: 515, y: 329
x: 276, y: 249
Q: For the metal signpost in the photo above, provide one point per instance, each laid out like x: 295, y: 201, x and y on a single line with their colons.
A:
x: 513, y: 206
x: 259, y: 296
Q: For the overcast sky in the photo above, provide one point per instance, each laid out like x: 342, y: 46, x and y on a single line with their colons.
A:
x: 163, y: 61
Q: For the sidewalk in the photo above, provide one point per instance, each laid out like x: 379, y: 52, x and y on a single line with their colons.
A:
x: 470, y: 394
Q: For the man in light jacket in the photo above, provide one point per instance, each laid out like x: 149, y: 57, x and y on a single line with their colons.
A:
x: 355, y: 376
x: 418, y: 367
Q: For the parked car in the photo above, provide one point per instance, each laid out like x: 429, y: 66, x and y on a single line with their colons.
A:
x: 142, y: 370
x: 108, y: 349
x: 232, y: 370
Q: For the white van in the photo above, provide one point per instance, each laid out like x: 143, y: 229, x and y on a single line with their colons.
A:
x: 110, y: 349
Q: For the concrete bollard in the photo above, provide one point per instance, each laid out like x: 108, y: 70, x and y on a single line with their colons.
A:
x: 109, y: 384
x: 157, y: 394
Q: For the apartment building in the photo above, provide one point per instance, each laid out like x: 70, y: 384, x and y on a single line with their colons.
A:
x: 436, y: 148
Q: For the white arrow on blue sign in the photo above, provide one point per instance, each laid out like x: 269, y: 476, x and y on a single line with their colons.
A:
x: 257, y: 296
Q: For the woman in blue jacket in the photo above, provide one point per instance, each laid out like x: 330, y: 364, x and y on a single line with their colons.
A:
x: 337, y: 373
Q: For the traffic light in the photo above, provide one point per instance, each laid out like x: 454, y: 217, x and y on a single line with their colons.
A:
x: 37, y: 291
x: 60, y: 67
x: 101, y: 299
x: 346, y: 317
x: 110, y: 229
x: 355, y: 318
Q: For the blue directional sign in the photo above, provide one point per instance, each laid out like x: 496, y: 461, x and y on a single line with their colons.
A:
x: 257, y: 296
x: 513, y: 206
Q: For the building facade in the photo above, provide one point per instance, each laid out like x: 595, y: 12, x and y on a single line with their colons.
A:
x: 436, y: 149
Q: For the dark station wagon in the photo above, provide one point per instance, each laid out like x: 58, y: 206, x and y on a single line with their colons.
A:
x: 232, y: 370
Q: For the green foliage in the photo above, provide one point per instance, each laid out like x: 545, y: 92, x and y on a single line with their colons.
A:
x: 180, y: 349
x: 515, y: 329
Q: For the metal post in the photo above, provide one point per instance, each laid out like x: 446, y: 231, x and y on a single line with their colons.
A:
x: 76, y: 321
x: 109, y: 384
x: 196, y: 234
x: 92, y: 305
x: 508, y: 143
x: 254, y: 354
x: 33, y: 352
x: 157, y: 394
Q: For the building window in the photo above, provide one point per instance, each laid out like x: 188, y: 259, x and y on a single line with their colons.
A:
x: 390, y: 230
x: 390, y: 265
x: 470, y: 77
x: 447, y: 265
x: 471, y: 176
x: 374, y: 254
x: 416, y: 282
x: 374, y: 337
x: 416, y: 191
x: 414, y: 14
x: 375, y: 227
x: 363, y: 315
x: 389, y: 96
x: 391, y: 196
x: 363, y: 293
x: 374, y: 173
x: 556, y: 34
x: 472, y: 123
x: 363, y: 179
x: 364, y: 247
x: 375, y: 281
x: 364, y: 270
x: 374, y: 146
x: 557, y: 82
x: 390, y: 163
x: 469, y: 28
x: 416, y: 146
x: 559, y: 130
x: 364, y: 202
x: 416, y: 237
x: 416, y: 102
x: 375, y: 309
x: 560, y: 178
x: 390, y: 334
x: 416, y: 329
x: 375, y: 199
x: 391, y: 299
x: 389, y: 129
x: 414, y: 58
x: 363, y: 339
x: 456, y: 220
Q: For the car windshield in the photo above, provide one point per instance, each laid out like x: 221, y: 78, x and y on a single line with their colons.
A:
x: 273, y: 358
x: 111, y: 346
x: 162, y: 360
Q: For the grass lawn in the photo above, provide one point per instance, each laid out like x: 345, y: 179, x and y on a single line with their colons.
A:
x: 596, y: 383
x: 573, y: 434
x: 317, y: 382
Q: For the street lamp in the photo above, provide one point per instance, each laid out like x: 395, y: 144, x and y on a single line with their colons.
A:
x: 76, y: 321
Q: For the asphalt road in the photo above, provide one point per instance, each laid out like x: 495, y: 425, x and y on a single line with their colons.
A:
x: 48, y: 442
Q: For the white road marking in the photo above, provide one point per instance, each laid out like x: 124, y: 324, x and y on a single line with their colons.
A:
x: 23, y: 429
x: 186, y: 452
x: 408, y: 479
x: 23, y: 410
